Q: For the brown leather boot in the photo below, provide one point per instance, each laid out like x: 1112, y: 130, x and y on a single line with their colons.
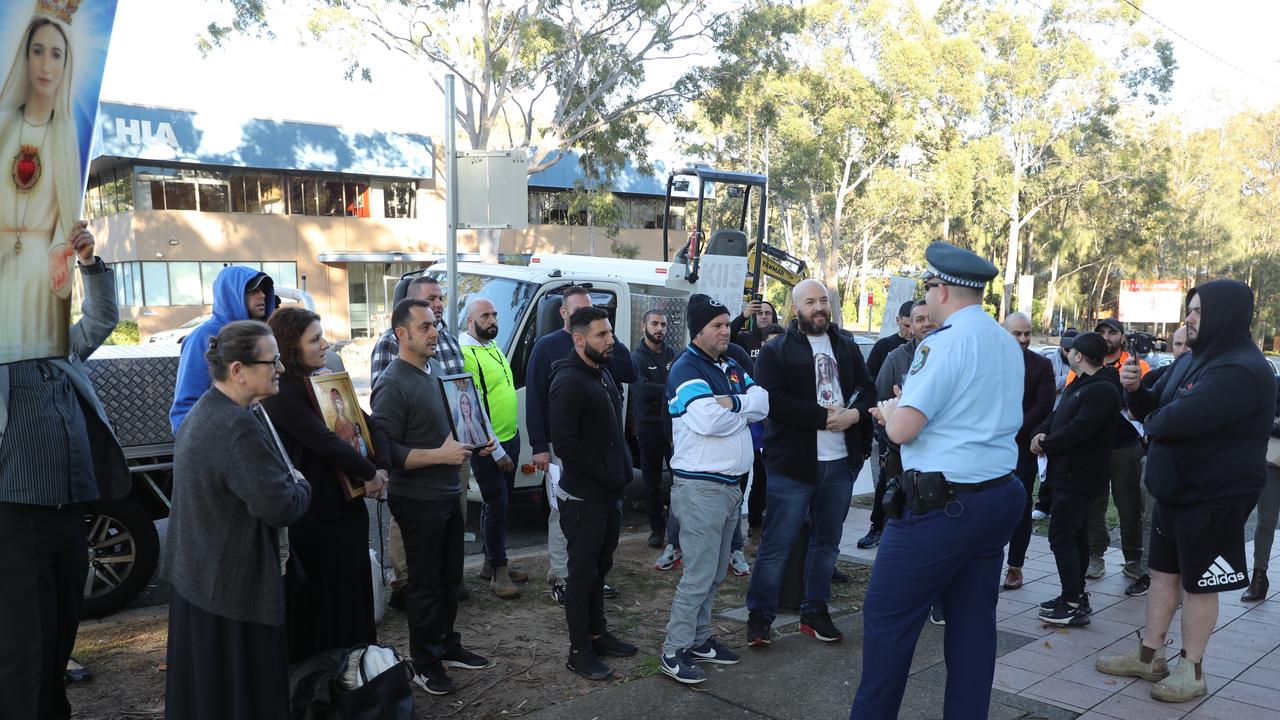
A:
x: 1013, y: 578
x: 1258, y: 587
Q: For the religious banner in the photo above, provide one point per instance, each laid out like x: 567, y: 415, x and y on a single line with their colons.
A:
x: 48, y: 107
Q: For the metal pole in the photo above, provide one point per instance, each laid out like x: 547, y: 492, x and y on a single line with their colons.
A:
x: 451, y: 203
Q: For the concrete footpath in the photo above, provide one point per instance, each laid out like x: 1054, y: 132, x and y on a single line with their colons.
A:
x: 795, y: 677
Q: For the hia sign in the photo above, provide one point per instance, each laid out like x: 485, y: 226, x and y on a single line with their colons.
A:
x: 144, y: 134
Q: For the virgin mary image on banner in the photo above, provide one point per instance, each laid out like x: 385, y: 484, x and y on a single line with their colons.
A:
x: 48, y: 106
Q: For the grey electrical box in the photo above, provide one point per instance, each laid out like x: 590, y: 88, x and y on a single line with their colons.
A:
x: 493, y: 189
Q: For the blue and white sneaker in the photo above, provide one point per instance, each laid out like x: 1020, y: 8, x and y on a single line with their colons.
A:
x: 713, y: 652
x: 680, y: 667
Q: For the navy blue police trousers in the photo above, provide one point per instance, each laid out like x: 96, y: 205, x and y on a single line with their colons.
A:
x: 955, y: 555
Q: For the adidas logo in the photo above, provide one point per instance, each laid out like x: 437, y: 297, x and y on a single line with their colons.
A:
x: 1220, y: 573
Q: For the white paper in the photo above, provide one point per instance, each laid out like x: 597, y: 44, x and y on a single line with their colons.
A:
x: 553, y: 485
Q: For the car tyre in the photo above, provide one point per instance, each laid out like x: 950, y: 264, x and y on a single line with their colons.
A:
x: 124, y: 549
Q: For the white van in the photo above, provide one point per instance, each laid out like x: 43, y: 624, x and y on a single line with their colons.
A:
x: 528, y: 302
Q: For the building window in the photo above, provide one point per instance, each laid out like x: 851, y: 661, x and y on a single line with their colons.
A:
x: 283, y: 274
x: 109, y: 192
x: 399, y: 199
x: 185, y: 287
x: 155, y: 284
x: 208, y: 271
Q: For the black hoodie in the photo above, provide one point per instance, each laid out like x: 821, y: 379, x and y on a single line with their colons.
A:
x: 1209, y: 417
x: 1081, y: 431
x: 586, y: 430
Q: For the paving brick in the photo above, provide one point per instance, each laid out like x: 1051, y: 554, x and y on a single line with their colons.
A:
x: 1068, y: 693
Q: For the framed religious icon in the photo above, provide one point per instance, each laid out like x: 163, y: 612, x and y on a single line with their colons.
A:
x: 48, y: 110
x: 335, y: 397
x: 466, y: 414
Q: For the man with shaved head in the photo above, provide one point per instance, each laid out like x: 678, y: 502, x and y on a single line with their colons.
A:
x: 495, y: 474
x: 1038, y: 394
x: 820, y: 396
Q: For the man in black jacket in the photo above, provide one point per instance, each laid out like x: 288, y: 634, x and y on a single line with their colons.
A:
x: 587, y: 433
x: 653, y: 360
x: 819, y: 397
x: 1077, y: 438
x: 1037, y: 402
x: 1208, y: 420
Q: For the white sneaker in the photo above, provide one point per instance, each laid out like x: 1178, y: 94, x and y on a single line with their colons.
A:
x: 1039, y: 514
x: 738, y: 564
x: 669, y: 558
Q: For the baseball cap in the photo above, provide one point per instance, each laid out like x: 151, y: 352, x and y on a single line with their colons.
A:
x: 1090, y: 345
x: 1112, y: 323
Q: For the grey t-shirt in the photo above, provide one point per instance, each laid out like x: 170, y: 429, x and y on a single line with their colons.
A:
x: 409, y: 406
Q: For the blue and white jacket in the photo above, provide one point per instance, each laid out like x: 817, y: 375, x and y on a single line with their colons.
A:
x: 710, y: 441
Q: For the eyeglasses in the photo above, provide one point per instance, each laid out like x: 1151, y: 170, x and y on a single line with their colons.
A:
x: 931, y: 285
x: 273, y: 361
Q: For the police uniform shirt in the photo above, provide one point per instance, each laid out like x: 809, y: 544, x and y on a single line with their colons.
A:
x: 967, y: 379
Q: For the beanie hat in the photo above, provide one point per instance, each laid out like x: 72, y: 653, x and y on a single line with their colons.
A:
x: 702, y: 310
x: 1090, y: 345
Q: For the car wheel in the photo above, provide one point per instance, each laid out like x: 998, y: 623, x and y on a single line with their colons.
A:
x: 124, y: 549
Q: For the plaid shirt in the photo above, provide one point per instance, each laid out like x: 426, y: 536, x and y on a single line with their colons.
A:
x: 448, y: 354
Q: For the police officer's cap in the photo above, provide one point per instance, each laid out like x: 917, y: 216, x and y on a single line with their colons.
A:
x: 957, y: 266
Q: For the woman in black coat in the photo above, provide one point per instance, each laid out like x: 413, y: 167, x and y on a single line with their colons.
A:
x: 329, y: 603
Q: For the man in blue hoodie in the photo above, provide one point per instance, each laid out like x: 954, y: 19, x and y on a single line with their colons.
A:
x: 239, y: 293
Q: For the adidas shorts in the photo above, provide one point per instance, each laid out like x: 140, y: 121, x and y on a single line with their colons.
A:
x: 1203, y: 544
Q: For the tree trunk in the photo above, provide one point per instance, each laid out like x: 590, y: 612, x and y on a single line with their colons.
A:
x: 1051, y: 296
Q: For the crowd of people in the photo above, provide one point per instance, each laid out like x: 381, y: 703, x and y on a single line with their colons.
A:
x: 961, y: 417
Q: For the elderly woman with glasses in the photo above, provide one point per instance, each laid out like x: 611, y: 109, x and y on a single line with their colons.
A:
x: 235, y: 493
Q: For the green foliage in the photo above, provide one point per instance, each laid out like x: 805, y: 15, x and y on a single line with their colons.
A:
x: 126, y: 333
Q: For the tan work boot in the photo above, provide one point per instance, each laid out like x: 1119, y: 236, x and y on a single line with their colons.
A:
x: 486, y: 573
x: 502, y: 585
x: 1131, y: 665
x: 1185, y: 683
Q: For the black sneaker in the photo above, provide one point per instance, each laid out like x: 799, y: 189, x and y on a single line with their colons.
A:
x: 435, y: 680
x: 838, y: 577
x: 461, y: 592
x: 870, y: 540
x: 1066, y: 613
x: 1050, y: 604
x: 557, y: 592
x: 715, y: 653
x: 607, y: 645
x: 681, y: 668
x: 1139, y: 587
x: 610, y: 591
x: 758, y: 629
x: 586, y: 664
x: 657, y: 539
x: 460, y: 657
x: 935, y: 615
x: 818, y: 625
x: 398, y: 597
x: 1084, y: 604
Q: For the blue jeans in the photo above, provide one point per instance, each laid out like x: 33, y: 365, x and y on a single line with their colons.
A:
x: 825, y: 504
x: 495, y: 488
x: 953, y: 555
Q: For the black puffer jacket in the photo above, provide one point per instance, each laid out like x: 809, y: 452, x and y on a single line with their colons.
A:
x: 1081, y: 432
x: 1209, y: 417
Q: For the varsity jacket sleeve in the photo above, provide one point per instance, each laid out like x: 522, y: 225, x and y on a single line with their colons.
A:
x: 695, y: 401
x: 1101, y: 403
x: 771, y: 375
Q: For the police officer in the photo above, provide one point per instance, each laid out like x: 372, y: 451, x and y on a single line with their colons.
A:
x: 955, y: 421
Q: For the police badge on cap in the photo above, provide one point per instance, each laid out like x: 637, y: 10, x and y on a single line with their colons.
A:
x: 957, y: 266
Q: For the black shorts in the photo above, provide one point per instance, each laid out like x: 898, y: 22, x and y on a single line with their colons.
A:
x: 1203, y: 544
